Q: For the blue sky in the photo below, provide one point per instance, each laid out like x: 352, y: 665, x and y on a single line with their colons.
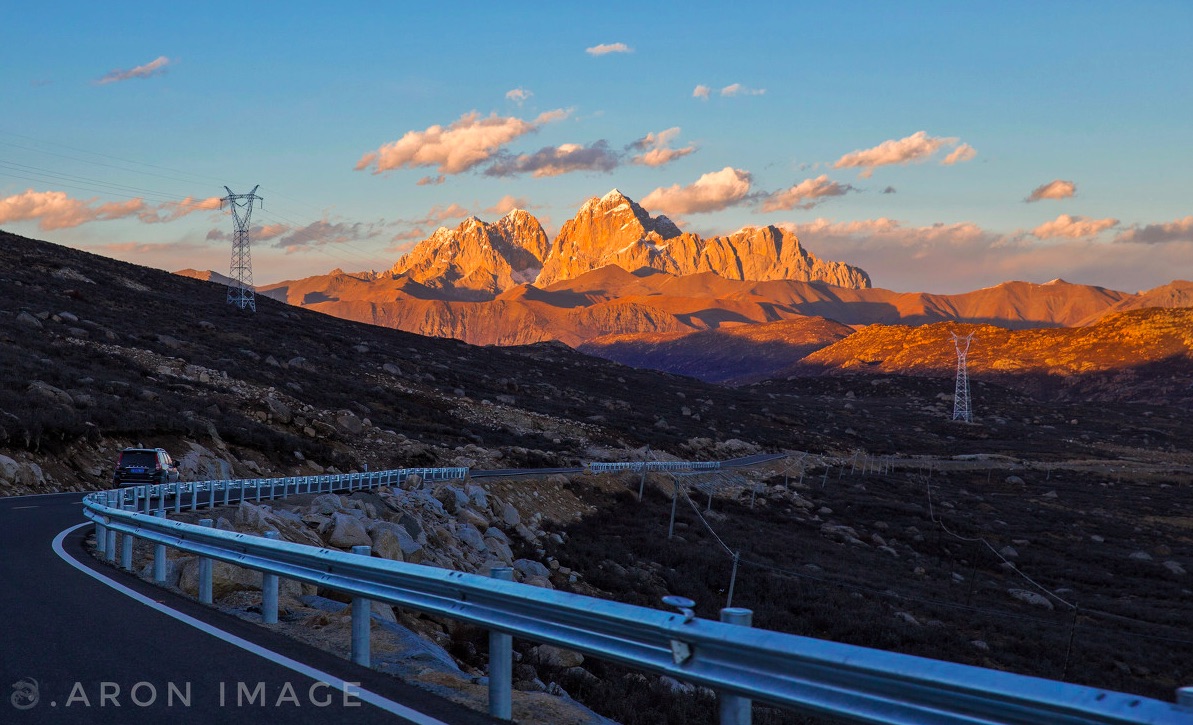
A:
x: 114, y: 114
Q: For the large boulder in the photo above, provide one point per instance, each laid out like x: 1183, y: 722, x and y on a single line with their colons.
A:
x: 347, y: 531
x: 530, y: 568
x: 225, y: 578
x: 471, y: 536
x: 386, y: 544
x: 8, y: 470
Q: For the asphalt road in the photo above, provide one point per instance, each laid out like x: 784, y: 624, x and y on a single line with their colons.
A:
x: 82, y: 642
x: 73, y: 640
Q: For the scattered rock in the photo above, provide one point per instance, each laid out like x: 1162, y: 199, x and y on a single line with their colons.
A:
x: 1032, y: 598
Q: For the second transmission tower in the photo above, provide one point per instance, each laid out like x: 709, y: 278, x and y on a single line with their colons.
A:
x: 961, y: 406
x: 240, y: 291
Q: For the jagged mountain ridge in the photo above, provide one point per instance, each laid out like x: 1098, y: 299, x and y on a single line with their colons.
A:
x: 616, y: 230
x: 477, y: 260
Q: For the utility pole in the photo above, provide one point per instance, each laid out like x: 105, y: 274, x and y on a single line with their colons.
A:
x: 961, y: 407
x: 241, y: 292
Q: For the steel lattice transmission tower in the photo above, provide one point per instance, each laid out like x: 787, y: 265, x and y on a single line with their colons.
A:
x: 240, y: 291
x: 961, y: 407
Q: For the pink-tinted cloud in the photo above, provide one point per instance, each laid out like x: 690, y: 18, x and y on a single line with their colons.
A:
x: 415, y: 234
x: 607, y: 48
x: 656, y: 148
x: 950, y: 258
x: 56, y: 210
x: 1073, y: 227
x: 431, y: 180
x: 1180, y: 230
x: 172, y: 210
x: 914, y: 148
x: 737, y: 89
x: 556, y: 160
x: 154, y: 67
x: 713, y: 191
x: 518, y: 95
x: 468, y: 142
x: 508, y: 203
x: 806, y: 194
x: 964, y: 152
x: 1058, y: 189
x: 702, y: 92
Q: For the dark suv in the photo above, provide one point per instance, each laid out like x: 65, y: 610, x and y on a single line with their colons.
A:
x: 138, y: 466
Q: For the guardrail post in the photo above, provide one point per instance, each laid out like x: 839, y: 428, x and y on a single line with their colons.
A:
x: 126, y: 551
x: 735, y: 709
x: 361, y: 610
x: 269, y: 590
x: 110, y: 545
x: 177, y: 497
x: 257, y: 486
x: 101, y: 537
x: 149, y: 499
x: 1184, y: 697
x: 205, y: 570
x: 501, y: 661
x: 159, y: 554
x: 228, y: 491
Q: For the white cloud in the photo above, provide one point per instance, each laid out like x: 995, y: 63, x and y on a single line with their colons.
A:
x: 701, y: 92
x: 656, y: 148
x: 964, y: 152
x: 1057, y: 189
x: 917, y: 147
x: 518, y: 95
x: 1073, y: 227
x: 737, y: 89
x: 468, y: 142
x: 806, y: 194
x: 606, y: 48
x: 713, y: 191
x: 154, y: 67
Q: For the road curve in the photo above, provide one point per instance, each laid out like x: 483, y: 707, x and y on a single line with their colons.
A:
x: 82, y: 642
x: 72, y: 639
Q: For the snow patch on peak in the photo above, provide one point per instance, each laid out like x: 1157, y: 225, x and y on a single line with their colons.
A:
x: 1056, y: 281
x: 613, y: 195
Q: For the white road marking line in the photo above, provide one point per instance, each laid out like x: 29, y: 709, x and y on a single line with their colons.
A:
x: 368, y: 696
x: 18, y: 508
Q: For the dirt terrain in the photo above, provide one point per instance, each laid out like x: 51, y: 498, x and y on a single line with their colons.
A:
x: 1090, y: 494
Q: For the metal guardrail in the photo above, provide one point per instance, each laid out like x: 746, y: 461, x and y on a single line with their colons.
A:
x: 639, y: 466
x: 798, y: 673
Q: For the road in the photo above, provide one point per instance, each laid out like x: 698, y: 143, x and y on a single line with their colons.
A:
x: 95, y: 654
x: 84, y: 643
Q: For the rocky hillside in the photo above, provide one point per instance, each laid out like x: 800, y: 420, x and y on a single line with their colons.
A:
x: 1142, y: 355
x: 97, y: 354
x: 726, y: 354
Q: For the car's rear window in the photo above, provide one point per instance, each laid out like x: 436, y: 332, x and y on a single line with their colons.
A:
x: 140, y: 459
